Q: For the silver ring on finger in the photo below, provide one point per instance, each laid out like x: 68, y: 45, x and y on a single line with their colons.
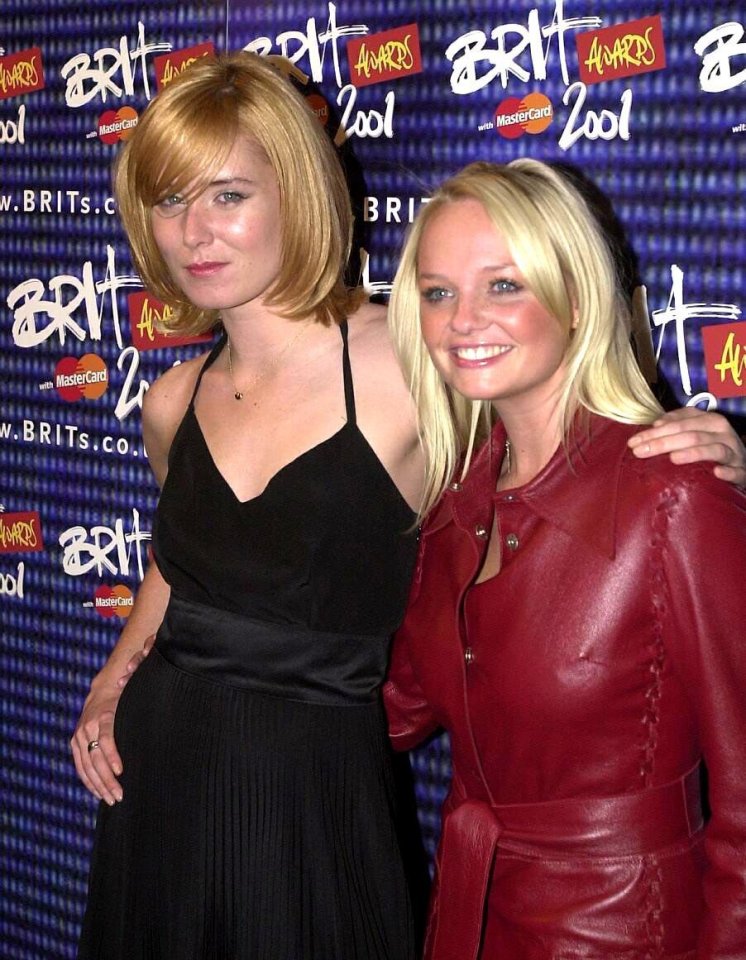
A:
x: 92, y: 745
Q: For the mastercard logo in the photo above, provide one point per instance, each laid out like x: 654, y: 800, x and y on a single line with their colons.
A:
x: 320, y: 107
x: 114, y: 125
x: 86, y: 376
x: 113, y: 601
x: 532, y: 114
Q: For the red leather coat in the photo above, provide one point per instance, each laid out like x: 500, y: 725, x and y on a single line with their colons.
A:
x: 581, y: 688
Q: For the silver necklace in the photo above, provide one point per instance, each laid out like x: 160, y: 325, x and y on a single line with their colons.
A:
x: 268, y: 368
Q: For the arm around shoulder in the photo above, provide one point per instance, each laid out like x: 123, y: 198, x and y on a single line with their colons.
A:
x: 690, y: 435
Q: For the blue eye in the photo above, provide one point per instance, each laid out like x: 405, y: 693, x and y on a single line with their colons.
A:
x: 170, y: 206
x: 231, y: 196
x: 504, y: 286
x: 434, y: 294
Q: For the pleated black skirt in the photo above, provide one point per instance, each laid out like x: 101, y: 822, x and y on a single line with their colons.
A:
x: 254, y: 826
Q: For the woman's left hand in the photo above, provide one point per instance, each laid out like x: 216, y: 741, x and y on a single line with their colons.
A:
x: 689, y: 435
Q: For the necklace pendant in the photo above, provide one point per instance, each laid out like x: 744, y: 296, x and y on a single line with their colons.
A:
x: 238, y: 395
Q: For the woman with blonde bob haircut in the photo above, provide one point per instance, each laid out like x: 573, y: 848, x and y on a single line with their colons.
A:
x: 184, y: 138
x: 249, y: 804
x: 576, y: 619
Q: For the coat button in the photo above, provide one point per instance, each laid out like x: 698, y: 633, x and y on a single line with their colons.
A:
x: 455, y: 486
x: 511, y: 541
x: 480, y: 531
x: 468, y: 656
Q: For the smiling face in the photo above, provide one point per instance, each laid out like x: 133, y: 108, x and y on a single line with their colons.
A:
x: 487, y: 333
x: 223, y: 246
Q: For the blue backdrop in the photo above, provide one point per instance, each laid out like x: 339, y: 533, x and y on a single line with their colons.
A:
x: 653, y: 112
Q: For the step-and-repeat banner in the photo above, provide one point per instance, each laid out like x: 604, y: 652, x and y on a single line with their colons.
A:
x: 644, y: 97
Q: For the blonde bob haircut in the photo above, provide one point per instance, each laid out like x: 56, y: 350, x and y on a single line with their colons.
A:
x: 559, y: 248
x: 180, y: 143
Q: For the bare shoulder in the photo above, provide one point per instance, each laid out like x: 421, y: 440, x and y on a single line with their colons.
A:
x: 168, y: 396
x: 163, y: 408
x: 385, y: 410
x: 371, y: 348
x: 368, y: 322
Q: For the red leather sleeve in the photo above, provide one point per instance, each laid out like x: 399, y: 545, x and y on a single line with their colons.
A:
x: 409, y: 714
x: 703, y: 592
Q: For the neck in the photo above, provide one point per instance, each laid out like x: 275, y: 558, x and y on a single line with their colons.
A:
x: 257, y: 333
x: 533, y: 438
x: 268, y: 350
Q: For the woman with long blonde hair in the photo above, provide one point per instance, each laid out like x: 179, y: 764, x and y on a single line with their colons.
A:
x: 576, y: 618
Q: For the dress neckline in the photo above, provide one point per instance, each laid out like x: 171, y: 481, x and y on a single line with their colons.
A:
x: 286, y: 467
x: 350, y: 425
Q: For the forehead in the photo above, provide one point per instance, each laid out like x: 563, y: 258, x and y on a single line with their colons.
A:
x: 244, y: 160
x: 246, y: 156
x: 462, y: 233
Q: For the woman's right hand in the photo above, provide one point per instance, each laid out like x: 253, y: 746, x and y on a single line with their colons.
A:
x: 96, y: 757
x: 99, y: 766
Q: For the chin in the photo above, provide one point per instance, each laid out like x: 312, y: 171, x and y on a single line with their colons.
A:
x: 208, y: 300
x: 205, y: 305
x: 475, y: 391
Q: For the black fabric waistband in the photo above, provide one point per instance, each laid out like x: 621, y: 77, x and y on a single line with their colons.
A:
x: 281, y: 660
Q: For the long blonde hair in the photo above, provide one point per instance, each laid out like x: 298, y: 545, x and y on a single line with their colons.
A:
x: 183, y: 138
x: 565, y: 260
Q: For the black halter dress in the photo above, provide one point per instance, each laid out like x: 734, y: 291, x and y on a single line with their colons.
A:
x: 259, y: 812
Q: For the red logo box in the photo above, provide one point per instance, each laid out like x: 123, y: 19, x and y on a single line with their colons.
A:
x: 532, y: 114
x: 621, y: 51
x: 170, y: 65
x: 725, y: 359
x: 145, y: 313
x: 113, y: 601
x: 115, y: 125
x: 385, y: 56
x: 20, y: 532
x: 78, y: 377
x: 21, y: 73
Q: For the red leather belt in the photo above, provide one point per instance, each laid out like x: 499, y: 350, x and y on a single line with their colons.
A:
x: 631, y: 824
